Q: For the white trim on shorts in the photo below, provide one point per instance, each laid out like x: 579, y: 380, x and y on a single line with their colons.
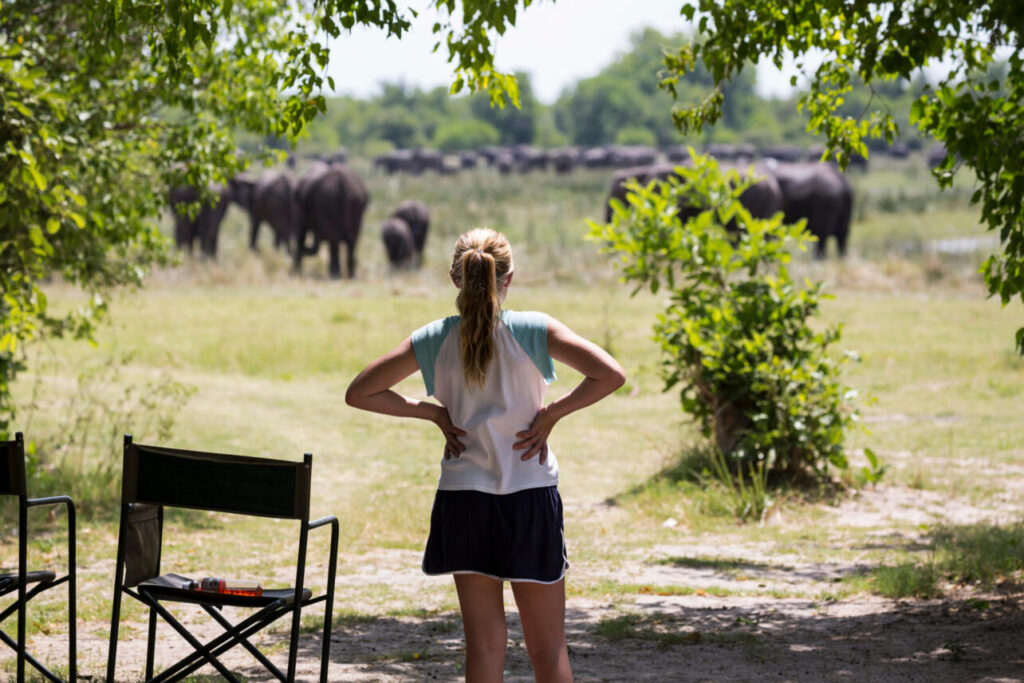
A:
x: 565, y: 567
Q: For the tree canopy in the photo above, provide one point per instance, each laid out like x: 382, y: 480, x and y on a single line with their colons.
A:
x: 974, y: 110
x: 108, y: 102
x: 620, y: 104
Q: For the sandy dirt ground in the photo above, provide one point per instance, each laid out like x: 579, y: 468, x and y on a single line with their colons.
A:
x: 708, y: 635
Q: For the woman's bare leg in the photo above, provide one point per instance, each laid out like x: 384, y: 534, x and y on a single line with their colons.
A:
x: 483, y: 620
x: 542, y: 611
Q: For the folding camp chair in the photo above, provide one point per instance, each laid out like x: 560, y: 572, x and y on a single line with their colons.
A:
x: 12, y: 483
x: 155, y: 478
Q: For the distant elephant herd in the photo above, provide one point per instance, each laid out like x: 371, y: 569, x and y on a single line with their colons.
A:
x: 817, y: 192
x: 518, y: 158
x: 326, y: 202
x: 526, y: 158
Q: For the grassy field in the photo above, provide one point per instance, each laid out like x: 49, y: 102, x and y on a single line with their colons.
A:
x: 238, y: 356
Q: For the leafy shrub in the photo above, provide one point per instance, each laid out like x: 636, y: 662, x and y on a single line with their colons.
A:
x: 465, y: 134
x: 736, y: 333
x: 399, y: 127
x: 76, y: 447
x: 635, y: 136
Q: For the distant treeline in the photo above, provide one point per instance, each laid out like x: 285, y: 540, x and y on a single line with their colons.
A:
x: 620, y: 105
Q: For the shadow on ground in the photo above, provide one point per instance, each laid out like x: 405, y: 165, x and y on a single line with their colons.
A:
x: 684, y: 638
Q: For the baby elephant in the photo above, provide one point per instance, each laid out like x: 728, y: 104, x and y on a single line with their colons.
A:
x: 398, y: 242
x: 417, y: 216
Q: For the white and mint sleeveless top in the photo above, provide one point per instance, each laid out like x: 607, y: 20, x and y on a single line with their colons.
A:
x: 509, y: 399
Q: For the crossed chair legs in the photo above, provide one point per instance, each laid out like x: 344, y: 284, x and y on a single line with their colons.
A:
x: 13, y: 483
x: 43, y: 581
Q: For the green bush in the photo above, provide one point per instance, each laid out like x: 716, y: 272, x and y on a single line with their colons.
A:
x: 465, y: 134
x: 399, y: 127
x: 636, y: 136
x: 74, y: 435
x: 736, y: 334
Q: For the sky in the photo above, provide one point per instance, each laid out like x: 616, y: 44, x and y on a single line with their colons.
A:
x: 558, y: 43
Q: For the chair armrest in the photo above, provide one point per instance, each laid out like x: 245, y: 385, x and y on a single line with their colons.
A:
x: 331, y: 519
x: 332, y: 563
x: 56, y: 500
x: 66, y: 500
x: 52, y: 500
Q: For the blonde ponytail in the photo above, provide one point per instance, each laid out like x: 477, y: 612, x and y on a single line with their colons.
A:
x: 482, y: 259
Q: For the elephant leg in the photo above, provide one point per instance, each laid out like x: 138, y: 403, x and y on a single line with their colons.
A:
x: 281, y: 237
x: 841, y: 242
x: 334, y: 246
x: 217, y: 214
x: 193, y: 236
x: 212, y: 232
x: 182, y: 238
x: 300, y: 237
x: 350, y: 258
x: 254, y: 233
x: 206, y: 243
x: 820, y: 246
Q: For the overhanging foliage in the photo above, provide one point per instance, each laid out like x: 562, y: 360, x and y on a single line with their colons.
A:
x: 107, y: 102
x: 977, y: 113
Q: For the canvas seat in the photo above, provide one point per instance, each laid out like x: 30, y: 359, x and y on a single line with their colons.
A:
x: 29, y: 584
x: 168, y: 587
x: 9, y: 581
x: 155, y: 478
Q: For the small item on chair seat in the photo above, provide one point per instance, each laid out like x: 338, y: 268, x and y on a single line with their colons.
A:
x: 226, y: 586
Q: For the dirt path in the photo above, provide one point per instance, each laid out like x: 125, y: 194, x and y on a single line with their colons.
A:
x: 691, y: 638
x: 714, y: 632
x: 681, y: 638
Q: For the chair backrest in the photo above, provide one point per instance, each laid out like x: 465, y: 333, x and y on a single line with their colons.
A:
x: 12, y: 467
x: 215, y: 481
x: 155, y: 476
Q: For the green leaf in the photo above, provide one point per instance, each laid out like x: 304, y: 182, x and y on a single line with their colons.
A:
x: 35, y: 235
x: 871, y: 457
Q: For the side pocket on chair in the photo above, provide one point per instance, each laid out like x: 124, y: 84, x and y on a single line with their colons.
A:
x: 142, y: 544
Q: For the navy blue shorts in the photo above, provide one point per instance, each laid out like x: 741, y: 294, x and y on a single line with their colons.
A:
x: 513, y: 537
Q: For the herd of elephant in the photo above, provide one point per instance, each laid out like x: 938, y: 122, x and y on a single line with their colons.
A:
x: 817, y: 192
x: 325, y: 203
x: 524, y: 158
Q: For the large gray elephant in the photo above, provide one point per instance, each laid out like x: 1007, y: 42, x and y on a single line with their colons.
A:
x: 762, y: 199
x: 330, y: 202
x: 820, y: 193
x: 417, y: 216
x: 202, y: 225
x: 269, y: 197
x: 398, y: 242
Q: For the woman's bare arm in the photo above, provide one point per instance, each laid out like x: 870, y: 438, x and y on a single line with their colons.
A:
x: 372, y: 390
x: 601, y: 376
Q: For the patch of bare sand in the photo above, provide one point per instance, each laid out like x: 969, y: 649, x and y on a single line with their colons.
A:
x: 686, y: 638
x: 883, y: 505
